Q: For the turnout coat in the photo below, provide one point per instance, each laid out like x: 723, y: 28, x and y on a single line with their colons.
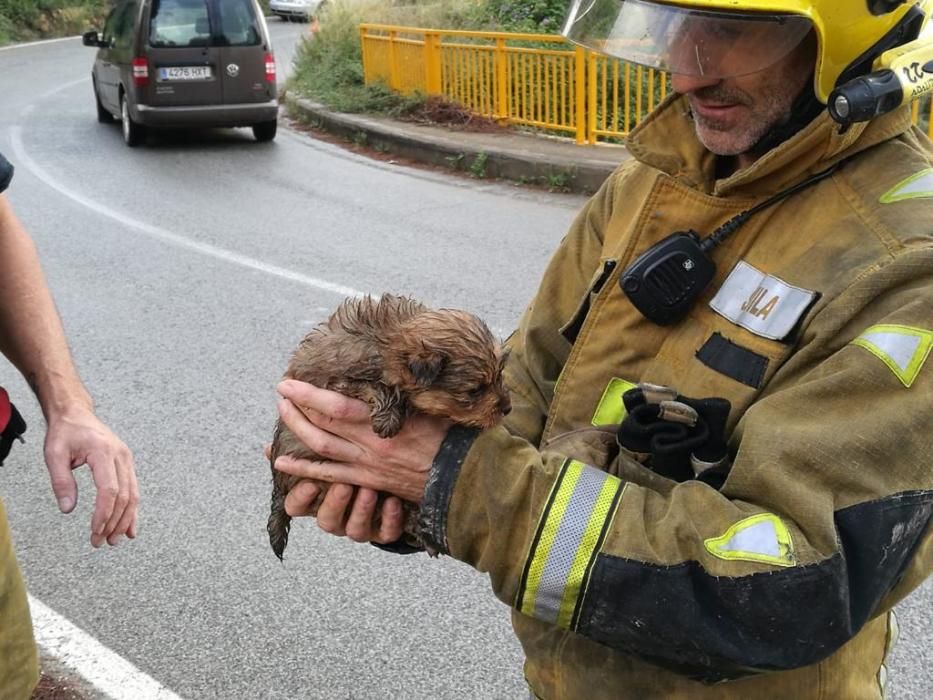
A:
x: 817, y: 328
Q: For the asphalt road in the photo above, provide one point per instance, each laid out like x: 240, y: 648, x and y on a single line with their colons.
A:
x: 185, y: 272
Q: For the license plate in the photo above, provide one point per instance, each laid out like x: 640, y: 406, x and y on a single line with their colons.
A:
x: 185, y: 73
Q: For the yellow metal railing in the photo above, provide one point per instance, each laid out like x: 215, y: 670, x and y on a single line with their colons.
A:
x: 535, y: 80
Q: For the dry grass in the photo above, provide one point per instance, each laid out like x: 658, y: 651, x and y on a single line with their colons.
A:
x: 439, y: 111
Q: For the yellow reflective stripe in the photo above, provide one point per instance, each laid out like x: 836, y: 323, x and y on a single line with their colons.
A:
x: 585, y: 551
x: 760, y: 538
x: 548, y: 532
x: 902, y: 348
x: 918, y: 185
x: 611, y: 410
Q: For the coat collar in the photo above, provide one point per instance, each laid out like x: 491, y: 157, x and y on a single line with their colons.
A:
x: 666, y: 140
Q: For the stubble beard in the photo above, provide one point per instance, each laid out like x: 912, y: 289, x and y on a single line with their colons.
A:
x: 731, y: 139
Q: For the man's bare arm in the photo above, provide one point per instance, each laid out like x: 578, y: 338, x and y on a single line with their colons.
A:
x: 32, y: 338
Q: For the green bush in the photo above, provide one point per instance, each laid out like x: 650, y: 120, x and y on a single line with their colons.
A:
x: 540, y: 16
x: 23, y: 20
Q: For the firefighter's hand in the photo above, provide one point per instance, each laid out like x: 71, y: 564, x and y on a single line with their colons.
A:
x: 76, y: 437
x: 342, y: 514
x: 338, y: 428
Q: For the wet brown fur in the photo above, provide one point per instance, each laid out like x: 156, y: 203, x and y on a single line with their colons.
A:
x: 401, y: 358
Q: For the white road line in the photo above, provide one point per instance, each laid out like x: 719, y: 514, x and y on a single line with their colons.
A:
x: 101, y: 667
x: 169, y: 237
x: 37, y: 43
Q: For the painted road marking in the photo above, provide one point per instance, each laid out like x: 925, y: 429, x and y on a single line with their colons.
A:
x: 168, y: 237
x: 37, y: 43
x: 98, y: 665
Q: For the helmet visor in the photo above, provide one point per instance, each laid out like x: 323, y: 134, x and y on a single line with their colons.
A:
x: 687, y: 41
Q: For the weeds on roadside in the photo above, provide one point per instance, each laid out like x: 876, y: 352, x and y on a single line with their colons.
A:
x: 478, y: 166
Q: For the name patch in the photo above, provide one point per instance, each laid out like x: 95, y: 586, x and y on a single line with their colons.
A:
x: 761, y: 303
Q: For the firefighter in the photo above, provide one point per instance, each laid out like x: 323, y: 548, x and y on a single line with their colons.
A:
x: 747, y: 305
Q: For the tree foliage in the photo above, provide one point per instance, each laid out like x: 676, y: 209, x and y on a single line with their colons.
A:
x: 544, y: 16
x: 21, y: 20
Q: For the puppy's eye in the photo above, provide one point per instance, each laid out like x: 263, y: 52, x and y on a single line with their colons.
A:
x: 478, y: 391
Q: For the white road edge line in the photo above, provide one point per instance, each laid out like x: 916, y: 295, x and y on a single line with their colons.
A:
x: 38, y: 43
x: 101, y: 667
x: 168, y: 237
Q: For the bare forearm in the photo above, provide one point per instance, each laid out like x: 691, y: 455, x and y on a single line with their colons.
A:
x: 31, y: 334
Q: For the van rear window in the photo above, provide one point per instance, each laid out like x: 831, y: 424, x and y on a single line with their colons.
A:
x: 179, y: 23
x: 184, y: 23
x: 238, y: 26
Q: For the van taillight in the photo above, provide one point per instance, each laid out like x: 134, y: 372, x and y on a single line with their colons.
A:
x: 140, y: 71
x: 270, y: 68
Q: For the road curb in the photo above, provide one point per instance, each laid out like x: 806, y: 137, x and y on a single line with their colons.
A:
x: 490, y: 155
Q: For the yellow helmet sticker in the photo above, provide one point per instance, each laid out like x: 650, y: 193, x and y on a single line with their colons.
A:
x: 902, y: 348
x: 917, y: 186
x: 760, y: 538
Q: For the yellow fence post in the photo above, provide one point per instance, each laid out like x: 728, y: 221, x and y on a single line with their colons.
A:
x: 579, y: 79
x: 394, y: 82
x: 502, y: 84
x: 592, y: 95
x: 432, y: 63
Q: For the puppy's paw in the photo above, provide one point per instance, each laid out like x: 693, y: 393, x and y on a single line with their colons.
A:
x: 386, y: 423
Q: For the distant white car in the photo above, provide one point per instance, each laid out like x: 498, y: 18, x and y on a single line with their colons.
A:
x: 295, y: 9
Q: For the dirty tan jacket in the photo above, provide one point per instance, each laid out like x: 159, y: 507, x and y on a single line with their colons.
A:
x: 816, y: 329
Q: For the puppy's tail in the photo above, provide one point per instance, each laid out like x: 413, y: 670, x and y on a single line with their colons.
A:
x: 279, y: 524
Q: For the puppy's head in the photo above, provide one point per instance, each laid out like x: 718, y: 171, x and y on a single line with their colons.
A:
x: 449, y: 364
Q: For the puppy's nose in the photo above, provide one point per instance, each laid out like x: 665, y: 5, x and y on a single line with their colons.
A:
x: 505, y: 405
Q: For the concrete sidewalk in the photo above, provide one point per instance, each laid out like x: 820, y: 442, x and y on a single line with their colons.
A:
x: 523, y: 157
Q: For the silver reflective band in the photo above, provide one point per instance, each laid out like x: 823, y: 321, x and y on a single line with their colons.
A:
x: 567, y: 541
x: 688, y: 41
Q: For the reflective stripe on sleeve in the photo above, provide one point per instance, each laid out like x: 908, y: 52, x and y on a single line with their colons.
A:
x: 570, y: 533
x: 902, y: 348
x: 762, y: 538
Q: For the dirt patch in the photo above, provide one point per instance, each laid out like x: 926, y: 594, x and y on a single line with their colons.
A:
x: 57, y: 682
x: 360, y: 147
x: 53, y: 688
x: 437, y: 111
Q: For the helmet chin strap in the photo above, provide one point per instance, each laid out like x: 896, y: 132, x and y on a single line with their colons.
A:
x: 804, y: 110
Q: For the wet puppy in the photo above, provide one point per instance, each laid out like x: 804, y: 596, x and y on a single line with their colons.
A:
x: 401, y: 358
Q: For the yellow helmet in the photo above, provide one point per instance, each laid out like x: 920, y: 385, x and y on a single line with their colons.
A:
x: 725, y: 38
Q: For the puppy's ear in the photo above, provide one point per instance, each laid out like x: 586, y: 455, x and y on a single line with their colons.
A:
x: 426, y: 366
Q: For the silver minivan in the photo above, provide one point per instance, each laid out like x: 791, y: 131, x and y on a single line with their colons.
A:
x: 185, y: 63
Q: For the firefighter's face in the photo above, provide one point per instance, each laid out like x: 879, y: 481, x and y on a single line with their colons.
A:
x: 732, y: 114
